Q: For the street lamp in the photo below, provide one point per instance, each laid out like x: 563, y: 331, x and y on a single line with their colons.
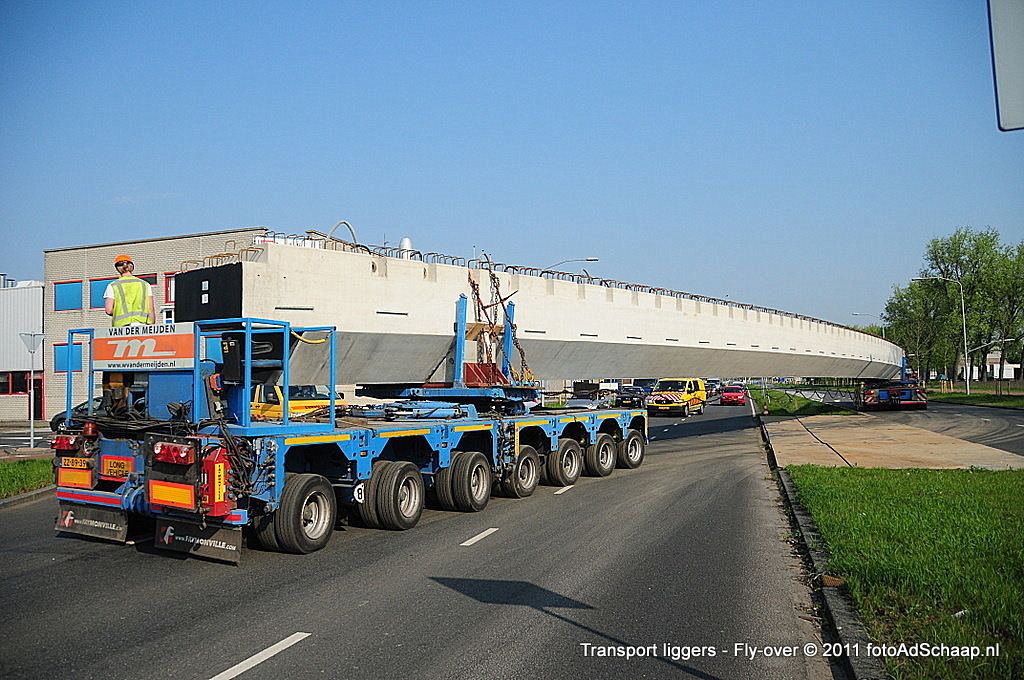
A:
x: 963, y: 310
x: 577, y: 259
x: 873, y: 316
x: 31, y: 341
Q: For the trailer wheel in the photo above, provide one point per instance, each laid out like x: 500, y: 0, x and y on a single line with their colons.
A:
x: 368, y: 508
x: 443, y: 483
x: 525, y: 475
x: 264, y: 528
x: 400, y: 496
x: 600, y: 457
x: 632, y: 450
x: 471, y: 481
x: 308, y: 512
x: 565, y: 465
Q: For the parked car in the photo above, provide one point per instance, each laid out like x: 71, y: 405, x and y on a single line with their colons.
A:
x: 80, y: 412
x: 733, y: 395
x: 630, y: 395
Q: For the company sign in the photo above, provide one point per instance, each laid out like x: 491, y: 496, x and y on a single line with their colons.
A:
x: 215, y: 542
x: 159, y: 347
x: 88, y: 520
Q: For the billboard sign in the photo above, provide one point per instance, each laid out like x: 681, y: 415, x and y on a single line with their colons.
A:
x: 157, y: 347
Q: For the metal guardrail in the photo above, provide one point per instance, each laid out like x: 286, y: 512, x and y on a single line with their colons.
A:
x: 319, y: 240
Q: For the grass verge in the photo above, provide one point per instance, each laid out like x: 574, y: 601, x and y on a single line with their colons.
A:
x: 786, y: 404
x: 978, y: 399
x: 930, y: 556
x: 20, y: 476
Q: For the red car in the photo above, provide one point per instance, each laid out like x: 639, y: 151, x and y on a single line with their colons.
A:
x: 733, y: 394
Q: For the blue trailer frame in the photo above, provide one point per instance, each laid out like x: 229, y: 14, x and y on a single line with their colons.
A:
x: 426, y: 434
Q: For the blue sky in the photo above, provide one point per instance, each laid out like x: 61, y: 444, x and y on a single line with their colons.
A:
x: 796, y: 155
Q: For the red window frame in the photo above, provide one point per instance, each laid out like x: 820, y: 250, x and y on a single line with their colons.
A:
x: 10, y: 382
x: 54, y: 285
x: 168, y: 279
x: 99, y: 278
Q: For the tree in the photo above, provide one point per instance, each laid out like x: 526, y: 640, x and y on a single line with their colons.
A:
x: 1007, y: 298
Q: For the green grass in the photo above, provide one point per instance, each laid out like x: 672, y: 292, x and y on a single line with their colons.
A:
x: 978, y: 399
x: 932, y: 556
x: 24, y: 475
x: 786, y: 404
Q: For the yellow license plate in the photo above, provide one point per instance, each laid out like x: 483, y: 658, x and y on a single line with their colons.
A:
x: 75, y: 463
x: 116, y: 467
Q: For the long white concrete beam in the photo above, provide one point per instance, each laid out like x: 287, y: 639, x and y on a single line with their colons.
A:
x: 395, y: 318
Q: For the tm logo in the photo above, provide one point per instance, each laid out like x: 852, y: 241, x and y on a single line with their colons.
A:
x: 167, y: 537
x: 68, y: 520
x: 136, y: 347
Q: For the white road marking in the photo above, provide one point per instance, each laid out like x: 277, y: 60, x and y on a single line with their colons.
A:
x: 1020, y: 426
x: 986, y: 420
x: 260, y: 657
x: 479, y: 537
x: 566, y: 488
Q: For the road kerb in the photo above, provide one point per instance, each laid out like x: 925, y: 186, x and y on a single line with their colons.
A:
x: 26, y: 497
x: 839, y: 609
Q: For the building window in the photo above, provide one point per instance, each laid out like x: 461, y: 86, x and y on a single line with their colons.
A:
x: 169, y: 287
x: 61, y: 359
x: 67, y: 295
x: 168, y: 314
x: 16, y: 383
x: 96, y: 289
x: 148, y: 278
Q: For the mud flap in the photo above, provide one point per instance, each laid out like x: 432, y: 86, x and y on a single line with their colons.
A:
x: 214, y: 542
x: 89, y: 520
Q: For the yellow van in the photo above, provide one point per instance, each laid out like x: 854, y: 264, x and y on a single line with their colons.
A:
x: 266, y: 403
x: 677, y: 395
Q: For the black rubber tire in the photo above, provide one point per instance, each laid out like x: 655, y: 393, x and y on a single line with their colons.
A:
x: 443, y: 484
x: 565, y: 465
x: 703, y: 405
x: 308, y: 512
x: 400, y: 496
x: 686, y: 410
x: 471, y: 481
x: 368, y: 508
x: 264, y: 528
x: 632, y: 450
x: 525, y: 475
x: 600, y: 457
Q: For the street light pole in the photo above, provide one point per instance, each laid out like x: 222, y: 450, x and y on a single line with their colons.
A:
x: 963, y: 310
x: 874, y: 316
x: 577, y: 259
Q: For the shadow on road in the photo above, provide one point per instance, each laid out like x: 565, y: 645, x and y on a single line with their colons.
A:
x: 526, y: 594
x: 695, y: 426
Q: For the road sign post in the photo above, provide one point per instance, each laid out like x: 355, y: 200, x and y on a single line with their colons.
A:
x: 31, y: 341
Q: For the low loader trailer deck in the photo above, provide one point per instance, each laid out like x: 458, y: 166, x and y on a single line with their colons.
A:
x: 200, y: 466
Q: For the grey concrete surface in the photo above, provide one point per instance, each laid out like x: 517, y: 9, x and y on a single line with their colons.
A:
x: 690, y: 549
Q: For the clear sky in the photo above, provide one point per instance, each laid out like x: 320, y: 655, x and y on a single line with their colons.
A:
x: 793, y: 154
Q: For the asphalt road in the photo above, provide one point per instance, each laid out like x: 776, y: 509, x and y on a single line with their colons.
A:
x: 688, y: 550
x: 20, y: 438
x: 1000, y: 428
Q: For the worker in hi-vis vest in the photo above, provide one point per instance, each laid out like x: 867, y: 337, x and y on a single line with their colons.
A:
x: 129, y: 299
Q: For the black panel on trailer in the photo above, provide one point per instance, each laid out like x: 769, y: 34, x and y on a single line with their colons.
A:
x: 210, y: 293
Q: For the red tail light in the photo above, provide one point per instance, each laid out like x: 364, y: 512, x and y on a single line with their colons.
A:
x: 179, y: 454
x: 869, y: 393
x: 65, y: 442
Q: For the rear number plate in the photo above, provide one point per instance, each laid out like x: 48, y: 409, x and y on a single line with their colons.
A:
x: 75, y: 463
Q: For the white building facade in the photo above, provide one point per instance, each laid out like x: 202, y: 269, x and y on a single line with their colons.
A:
x: 21, y: 311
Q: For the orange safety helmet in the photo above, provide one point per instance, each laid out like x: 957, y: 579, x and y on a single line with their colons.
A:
x: 122, y: 258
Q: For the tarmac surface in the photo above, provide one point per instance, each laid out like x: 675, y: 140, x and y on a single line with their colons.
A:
x: 690, y: 549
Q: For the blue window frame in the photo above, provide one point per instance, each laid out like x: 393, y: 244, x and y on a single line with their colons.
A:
x: 60, y: 357
x: 67, y: 295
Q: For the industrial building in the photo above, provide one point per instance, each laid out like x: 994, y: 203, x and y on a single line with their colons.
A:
x: 21, y: 311
x: 76, y: 277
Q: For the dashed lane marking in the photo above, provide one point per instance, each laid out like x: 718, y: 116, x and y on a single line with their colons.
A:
x: 986, y: 420
x: 260, y: 657
x: 566, y: 488
x: 479, y: 537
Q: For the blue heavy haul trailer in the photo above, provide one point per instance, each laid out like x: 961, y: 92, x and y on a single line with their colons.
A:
x: 175, y: 440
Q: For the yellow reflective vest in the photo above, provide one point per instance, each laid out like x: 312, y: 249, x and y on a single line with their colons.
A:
x: 131, y: 301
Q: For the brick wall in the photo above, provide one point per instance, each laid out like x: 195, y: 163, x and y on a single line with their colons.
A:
x: 155, y: 256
